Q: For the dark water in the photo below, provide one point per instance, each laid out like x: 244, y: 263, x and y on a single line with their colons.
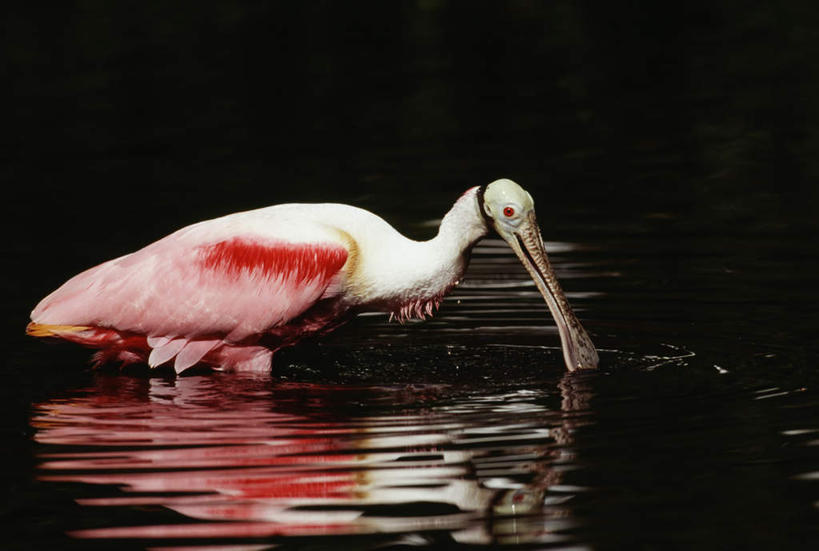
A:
x: 461, y: 429
x: 672, y: 158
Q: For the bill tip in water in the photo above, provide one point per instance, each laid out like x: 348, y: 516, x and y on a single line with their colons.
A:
x: 578, y: 350
x: 588, y: 358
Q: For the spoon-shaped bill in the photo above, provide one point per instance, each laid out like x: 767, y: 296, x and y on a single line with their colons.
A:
x: 526, y: 241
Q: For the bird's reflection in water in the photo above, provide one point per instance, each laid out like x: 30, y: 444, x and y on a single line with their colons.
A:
x: 299, y: 459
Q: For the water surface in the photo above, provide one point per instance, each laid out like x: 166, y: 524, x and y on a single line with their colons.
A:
x: 464, y: 429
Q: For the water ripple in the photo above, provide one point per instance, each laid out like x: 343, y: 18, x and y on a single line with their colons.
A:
x: 247, y: 459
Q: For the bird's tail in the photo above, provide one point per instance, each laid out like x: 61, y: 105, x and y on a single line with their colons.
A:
x: 35, y: 329
x: 112, y: 344
x: 95, y: 337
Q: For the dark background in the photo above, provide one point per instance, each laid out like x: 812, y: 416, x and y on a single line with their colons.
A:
x: 691, y: 130
x: 133, y: 118
x: 688, y: 131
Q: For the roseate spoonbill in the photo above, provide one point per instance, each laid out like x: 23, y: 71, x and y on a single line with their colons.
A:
x: 231, y: 291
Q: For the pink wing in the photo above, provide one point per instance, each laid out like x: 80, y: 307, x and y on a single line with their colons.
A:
x: 198, y: 287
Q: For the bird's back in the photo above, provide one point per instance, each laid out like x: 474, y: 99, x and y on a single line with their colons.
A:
x: 232, y: 278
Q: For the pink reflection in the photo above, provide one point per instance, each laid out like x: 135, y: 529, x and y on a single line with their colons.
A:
x: 298, y: 460
x: 213, y: 530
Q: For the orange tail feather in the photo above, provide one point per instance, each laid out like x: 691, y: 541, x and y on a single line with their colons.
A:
x: 35, y: 329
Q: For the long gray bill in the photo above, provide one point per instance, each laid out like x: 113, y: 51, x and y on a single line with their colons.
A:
x: 578, y: 349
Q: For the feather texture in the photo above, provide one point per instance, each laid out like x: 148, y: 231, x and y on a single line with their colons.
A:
x: 230, y: 291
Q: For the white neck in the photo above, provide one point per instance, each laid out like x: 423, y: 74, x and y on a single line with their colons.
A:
x: 427, y: 270
x: 401, y: 275
x: 462, y: 226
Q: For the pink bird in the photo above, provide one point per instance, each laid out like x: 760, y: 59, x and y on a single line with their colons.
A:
x: 231, y: 291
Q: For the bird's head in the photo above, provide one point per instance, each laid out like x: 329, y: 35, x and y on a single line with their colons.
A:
x: 509, y: 210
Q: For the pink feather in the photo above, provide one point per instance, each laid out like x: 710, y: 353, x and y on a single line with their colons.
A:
x: 192, y: 292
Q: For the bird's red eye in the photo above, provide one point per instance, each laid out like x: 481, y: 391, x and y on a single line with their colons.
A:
x: 508, y: 211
